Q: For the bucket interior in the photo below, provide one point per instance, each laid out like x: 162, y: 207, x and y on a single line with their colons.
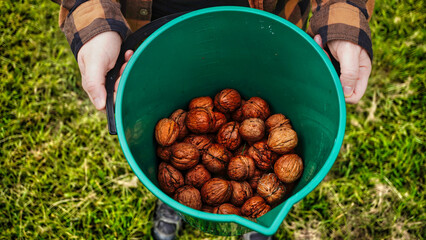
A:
x: 249, y: 51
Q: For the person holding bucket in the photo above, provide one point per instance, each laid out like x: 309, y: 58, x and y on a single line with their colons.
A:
x: 96, y: 29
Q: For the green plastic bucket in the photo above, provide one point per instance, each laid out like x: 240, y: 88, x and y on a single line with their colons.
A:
x: 255, y: 52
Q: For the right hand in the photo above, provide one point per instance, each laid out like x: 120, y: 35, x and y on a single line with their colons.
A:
x: 95, y: 59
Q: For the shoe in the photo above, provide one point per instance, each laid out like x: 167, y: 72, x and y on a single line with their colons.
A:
x: 255, y: 236
x: 166, y: 222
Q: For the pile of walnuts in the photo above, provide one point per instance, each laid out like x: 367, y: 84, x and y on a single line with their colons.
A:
x: 227, y: 155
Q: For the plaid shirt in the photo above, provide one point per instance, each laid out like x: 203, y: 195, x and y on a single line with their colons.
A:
x: 81, y: 20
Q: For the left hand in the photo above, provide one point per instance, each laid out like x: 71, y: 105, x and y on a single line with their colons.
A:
x: 355, y: 67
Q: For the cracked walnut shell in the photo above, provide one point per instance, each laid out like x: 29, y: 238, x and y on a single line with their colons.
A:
x: 166, y: 132
x: 262, y: 156
x: 169, y: 178
x: 229, y: 136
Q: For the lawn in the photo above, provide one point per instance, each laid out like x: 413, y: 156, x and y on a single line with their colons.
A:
x: 63, y: 177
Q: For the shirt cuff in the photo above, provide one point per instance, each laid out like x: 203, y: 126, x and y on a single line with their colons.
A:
x: 343, y: 21
x: 92, y: 18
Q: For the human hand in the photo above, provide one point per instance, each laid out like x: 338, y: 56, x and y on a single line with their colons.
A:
x: 95, y: 59
x: 355, y: 67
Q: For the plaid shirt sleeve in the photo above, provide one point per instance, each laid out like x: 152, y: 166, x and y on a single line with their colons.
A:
x: 81, y: 20
x: 343, y: 20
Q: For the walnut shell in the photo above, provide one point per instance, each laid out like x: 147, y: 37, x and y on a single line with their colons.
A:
x: 255, y: 207
x: 237, y: 115
x: 166, y: 132
x: 227, y: 208
x: 216, y: 158
x: 184, y: 156
x: 262, y: 156
x: 216, y: 191
x: 252, y: 129
x: 164, y: 152
x: 241, y: 168
x: 200, y: 120
x: 201, y: 102
x: 219, y: 121
x: 179, y: 117
x: 255, y: 179
x: 277, y: 120
x: 282, y: 140
x: 169, y: 178
x: 271, y: 189
x: 229, y: 136
x: 241, y: 191
x: 201, y: 142
x: 227, y: 100
x: 197, y: 176
x: 242, y: 150
x: 256, y: 107
x: 189, y: 196
x: 289, y: 168
x: 207, y: 208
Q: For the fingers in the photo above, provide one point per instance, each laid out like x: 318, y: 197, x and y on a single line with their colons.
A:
x: 127, y: 57
x: 94, y: 85
x: 364, y: 74
x: 318, y: 40
x: 349, y: 58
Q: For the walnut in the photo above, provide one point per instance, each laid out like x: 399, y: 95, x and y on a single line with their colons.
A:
x: 219, y: 121
x: 262, y: 156
x: 241, y: 191
x: 255, y: 179
x: 207, y: 208
x: 241, y: 168
x: 184, y: 156
x: 216, y: 158
x: 227, y: 208
x: 237, y: 115
x: 271, y: 189
x: 242, y: 150
x: 282, y: 140
x: 197, y: 176
x: 189, y: 196
x: 164, y: 152
x: 289, y: 168
x: 227, y: 100
x: 201, y: 142
x: 169, y: 178
x: 255, y: 207
x: 252, y: 129
x: 179, y: 117
x: 256, y: 107
x: 228, y: 135
x: 216, y: 191
x: 201, y: 102
x: 166, y: 132
x: 277, y: 120
x: 200, y: 120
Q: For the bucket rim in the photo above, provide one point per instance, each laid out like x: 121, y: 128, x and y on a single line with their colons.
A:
x: 288, y: 204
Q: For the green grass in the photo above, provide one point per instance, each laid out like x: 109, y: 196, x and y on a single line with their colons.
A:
x: 63, y: 177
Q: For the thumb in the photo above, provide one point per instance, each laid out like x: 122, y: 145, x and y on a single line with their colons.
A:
x: 349, y: 69
x: 94, y: 85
